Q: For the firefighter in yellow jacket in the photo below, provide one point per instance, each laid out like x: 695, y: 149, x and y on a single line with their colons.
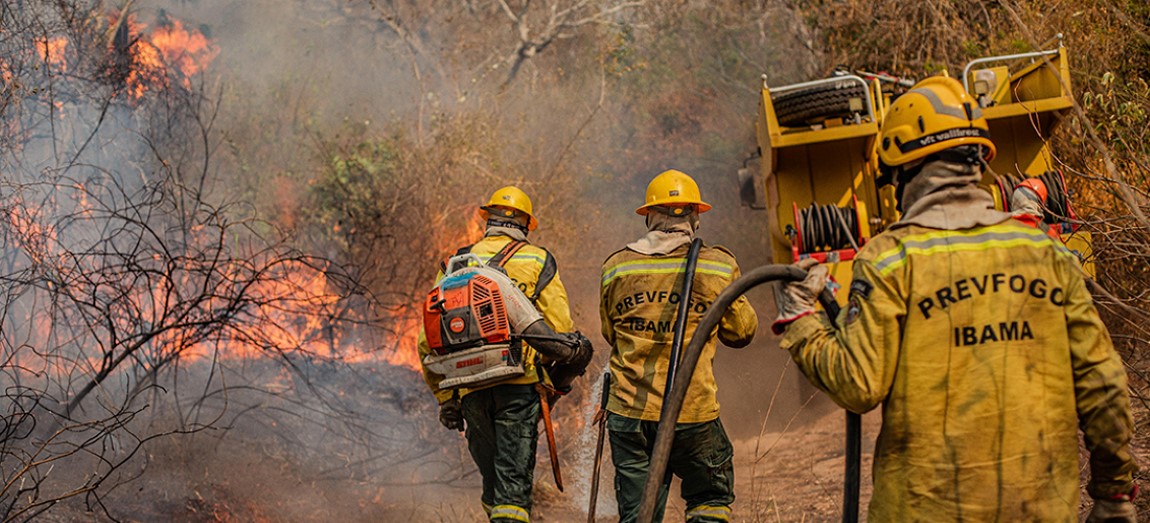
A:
x: 501, y: 420
x: 978, y: 337
x: 638, y: 303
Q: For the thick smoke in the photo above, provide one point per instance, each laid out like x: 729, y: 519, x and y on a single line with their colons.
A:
x: 582, y: 124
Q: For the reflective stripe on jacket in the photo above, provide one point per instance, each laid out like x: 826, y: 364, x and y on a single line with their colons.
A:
x: 986, y: 352
x: 525, y: 268
x: 639, y: 297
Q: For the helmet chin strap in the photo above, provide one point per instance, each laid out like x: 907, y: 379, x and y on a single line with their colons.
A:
x: 903, y: 176
x: 965, y: 154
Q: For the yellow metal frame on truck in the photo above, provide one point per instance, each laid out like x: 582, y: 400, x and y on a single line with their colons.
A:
x: 829, y: 163
x: 1025, y: 107
x: 1030, y: 95
x: 835, y: 162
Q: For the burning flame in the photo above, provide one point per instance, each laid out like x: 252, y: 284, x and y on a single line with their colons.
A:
x: 26, y: 222
x: 51, y: 50
x: 295, y: 315
x: 301, y: 313
x: 188, y: 51
x: 295, y: 309
x: 409, y: 320
x: 405, y: 353
x: 169, y: 51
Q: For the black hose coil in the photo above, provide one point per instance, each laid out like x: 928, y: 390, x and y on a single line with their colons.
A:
x: 822, y: 228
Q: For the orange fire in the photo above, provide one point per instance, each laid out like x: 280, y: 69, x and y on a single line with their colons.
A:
x: 405, y: 352
x: 34, y: 238
x: 409, y: 320
x: 51, y: 50
x: 188, y: 51
x: 447, y: 241
x: 169, y: 51
x: 296, y: 310
x: 301, y: 313
x: 294, y: 315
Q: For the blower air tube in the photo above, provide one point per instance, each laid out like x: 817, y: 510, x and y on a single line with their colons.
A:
x: 569, y: 353
x: 673, y: 402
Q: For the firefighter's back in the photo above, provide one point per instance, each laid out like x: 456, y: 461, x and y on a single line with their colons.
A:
x: 640, y: 298
x: 982, y: 413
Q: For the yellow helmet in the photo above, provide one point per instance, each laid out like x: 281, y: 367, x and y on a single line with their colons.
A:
x: 935, y: 115
x: 509, y: 201
x: 673, y: 189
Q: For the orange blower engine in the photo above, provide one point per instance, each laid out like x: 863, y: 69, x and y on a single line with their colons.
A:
x: 469, y: 319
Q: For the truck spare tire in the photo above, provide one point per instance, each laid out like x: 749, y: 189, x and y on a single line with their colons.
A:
x: 815, y: 104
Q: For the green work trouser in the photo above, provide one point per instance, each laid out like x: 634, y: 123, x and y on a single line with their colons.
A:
x: 700, y: 455
x: 502, y: 430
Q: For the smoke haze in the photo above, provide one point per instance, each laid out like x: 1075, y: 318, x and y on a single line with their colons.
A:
x: 423, y: 92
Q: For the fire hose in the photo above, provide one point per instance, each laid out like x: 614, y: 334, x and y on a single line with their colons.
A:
x: 827, y: 227
x: 680, y: 327
x: 673, y: 401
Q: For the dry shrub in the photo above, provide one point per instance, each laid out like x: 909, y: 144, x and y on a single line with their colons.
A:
x: 903, y: 37
x: 389, y: 207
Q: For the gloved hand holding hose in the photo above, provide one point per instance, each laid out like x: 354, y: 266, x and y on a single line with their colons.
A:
x: 796, y: 299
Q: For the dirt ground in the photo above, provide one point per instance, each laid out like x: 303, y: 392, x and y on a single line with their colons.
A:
x: 789, y: 472
x: 791, y: 476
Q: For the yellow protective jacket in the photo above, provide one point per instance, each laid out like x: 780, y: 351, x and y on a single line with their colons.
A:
x: 638, y: 302
x: 987, y: 354
x: 526, y: 268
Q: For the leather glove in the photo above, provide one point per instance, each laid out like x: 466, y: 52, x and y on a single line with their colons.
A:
x: 564, y: 372
x: 451, y: 414
x: 798, y: 298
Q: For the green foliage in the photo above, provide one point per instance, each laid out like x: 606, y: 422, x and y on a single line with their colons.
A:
x: 931, y: 67
x: 1017, y: 45
x: 391, y: 205
x: 1119, y: 112
x: 345, y: 198
x: 973, y: 49
x: 618, y: 54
